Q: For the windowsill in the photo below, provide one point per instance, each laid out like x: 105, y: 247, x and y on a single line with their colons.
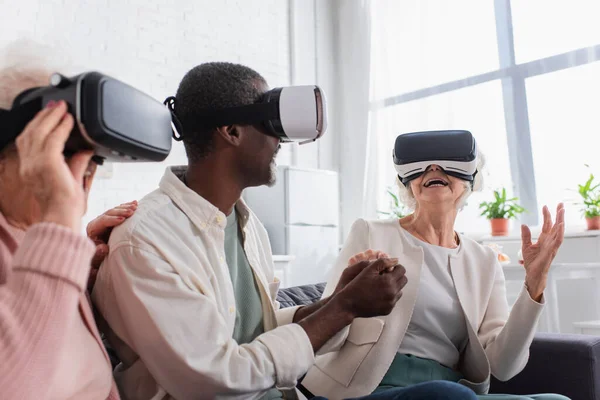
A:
x: 571, y: 233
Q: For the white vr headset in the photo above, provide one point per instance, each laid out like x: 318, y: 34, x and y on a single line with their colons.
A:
x: 454, y: 151
x: 292, y: 114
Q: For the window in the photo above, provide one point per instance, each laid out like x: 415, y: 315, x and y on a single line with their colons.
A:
x: 547, y: 111
x: 544, y: 28
x: 417, y: 44
x: 565, y: 134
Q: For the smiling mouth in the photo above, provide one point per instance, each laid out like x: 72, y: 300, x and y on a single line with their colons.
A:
x: 436, y: 182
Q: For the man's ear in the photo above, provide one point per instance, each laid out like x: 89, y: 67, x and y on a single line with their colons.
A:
x: 232, y: 134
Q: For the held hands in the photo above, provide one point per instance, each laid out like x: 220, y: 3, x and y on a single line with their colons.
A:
x: 372, y: 284
x: 537, y: 257
x: 369, y: 255
x: 56, y: 184
x: 356, y: 265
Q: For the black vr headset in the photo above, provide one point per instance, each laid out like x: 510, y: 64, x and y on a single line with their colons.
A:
x: 454, y: 151
x: 292, y: 114
x: 116, y: 121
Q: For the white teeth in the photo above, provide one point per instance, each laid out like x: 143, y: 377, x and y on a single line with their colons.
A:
x: 429, y: 184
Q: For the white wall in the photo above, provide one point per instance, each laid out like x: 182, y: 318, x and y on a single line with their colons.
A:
x: 150, y: 44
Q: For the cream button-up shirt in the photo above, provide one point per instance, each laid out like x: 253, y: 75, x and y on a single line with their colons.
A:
x: 169, y: 308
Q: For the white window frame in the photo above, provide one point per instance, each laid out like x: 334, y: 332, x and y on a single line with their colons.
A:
x: 512, y: 77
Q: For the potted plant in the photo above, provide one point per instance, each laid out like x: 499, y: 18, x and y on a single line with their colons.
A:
x: 500, y: 211
x: 590, y: 194
x: 397, y: 209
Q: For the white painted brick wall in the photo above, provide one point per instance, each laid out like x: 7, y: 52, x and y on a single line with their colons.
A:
x: 150, y: 44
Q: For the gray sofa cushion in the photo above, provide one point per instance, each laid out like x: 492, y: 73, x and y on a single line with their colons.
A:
x: 300, y: 295
x: 558, y: 363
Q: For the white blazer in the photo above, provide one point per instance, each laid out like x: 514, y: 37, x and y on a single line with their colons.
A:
x: 498, y: 341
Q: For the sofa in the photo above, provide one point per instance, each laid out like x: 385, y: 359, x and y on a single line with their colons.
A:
x: 558, y: 363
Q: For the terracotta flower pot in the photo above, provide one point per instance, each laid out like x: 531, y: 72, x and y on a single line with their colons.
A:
x: 499, y: 226
x: 593, y: 223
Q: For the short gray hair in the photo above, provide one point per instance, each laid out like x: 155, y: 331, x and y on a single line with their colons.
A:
x: 22, y: 66
x: 407, y: 197
x: 15, y: 79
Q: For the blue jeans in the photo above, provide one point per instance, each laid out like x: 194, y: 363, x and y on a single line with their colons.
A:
x: 434, y: 390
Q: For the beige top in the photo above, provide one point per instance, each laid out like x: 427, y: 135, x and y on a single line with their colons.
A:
x: 498, y: 342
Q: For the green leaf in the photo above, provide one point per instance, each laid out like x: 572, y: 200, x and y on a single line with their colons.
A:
x: 501, y: 207
x: 590, y: 195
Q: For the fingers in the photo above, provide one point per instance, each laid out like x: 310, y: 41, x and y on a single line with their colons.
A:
x: 367, y: 256
x: 403, y: 281
x: 100, y: 225
x: 381, y: 254
x: 24, y: 140
x: 399, y: 272
x: 123, y: 210
x: 356, y: 268
x: 111, y: 218
x: 50, y: 123
x: 53, y: 118
x: 547, y: 220
x: 359, y: 257
x: 56, y: 141
x: 558, y: 230
x: 383, y: 265
x: 560, y: 214
x: 99, y: 255
x: 560, y: 217
x: 120, y: 212
x: 525, y: 236
x: 560, y: 234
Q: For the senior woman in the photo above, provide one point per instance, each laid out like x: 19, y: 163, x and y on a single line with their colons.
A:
x: 49, y: 345
x: 453, y: 321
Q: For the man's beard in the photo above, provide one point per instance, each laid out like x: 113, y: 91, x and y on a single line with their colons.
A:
x: 273, y: 174
x: 273, y: 169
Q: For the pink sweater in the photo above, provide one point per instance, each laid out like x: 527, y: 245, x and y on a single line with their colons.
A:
x: 49, y: 344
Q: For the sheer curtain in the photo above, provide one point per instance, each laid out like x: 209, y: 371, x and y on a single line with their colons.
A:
x: 354, y: 47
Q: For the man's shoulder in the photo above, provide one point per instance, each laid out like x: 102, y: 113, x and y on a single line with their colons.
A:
x: 156, y: 215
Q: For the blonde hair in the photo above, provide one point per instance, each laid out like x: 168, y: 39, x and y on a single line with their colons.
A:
x: 407, y: 197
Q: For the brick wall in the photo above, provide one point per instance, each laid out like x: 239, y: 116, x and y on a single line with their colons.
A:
x: 150, y: 44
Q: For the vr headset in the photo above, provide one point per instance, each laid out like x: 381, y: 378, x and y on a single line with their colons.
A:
x: 116, y: 121
x: 292, y: 114
x: 454, y: 151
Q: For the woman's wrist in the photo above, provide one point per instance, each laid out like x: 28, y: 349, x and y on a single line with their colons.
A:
x: 535, y: 286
